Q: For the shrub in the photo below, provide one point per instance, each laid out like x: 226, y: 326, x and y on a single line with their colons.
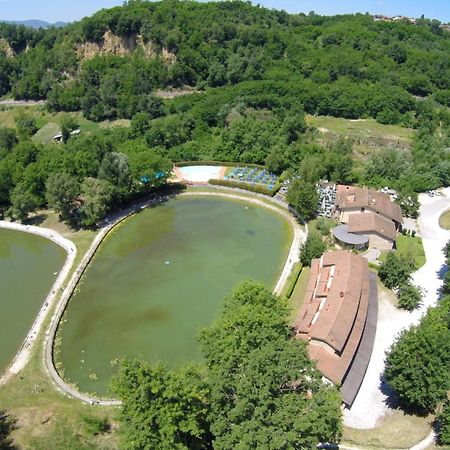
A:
x: 96, y: 425
x: 443, y: 421
x: 396, y: 270
x: 312, y: 248
x: 258, y: 188
x: 410, y: 297
x: 292, y: 280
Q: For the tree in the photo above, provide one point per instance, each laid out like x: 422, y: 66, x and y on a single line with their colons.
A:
x: 26, y: 125
x: 410, y: 297
x: 312, y: 248
x: 265, y: 391
x: 7, y: 425
x: 22, y: 203
x: 97, y: 196
x: 443, y: 420
x: 304, y: 198
x: 61, y: 190
x: 417, y: 365
x: 140, y: 124
x: 8, y: 138
x: 116, y: 169
x: 396, y: 270
x: 68, y: 124
x: 161, y: 408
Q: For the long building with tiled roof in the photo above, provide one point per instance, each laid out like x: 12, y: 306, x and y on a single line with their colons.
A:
x: 338, y: 319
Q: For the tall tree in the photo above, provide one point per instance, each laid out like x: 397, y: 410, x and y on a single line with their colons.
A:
x: 61, y: 190
x: 304, y: 198
x: 97, y: 196
x: 161, y: 408
x: 265, y: 391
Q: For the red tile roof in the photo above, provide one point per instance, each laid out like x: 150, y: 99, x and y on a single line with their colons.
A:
x: 333, y: 315
x: 361, y: 197
x: 369, y: 222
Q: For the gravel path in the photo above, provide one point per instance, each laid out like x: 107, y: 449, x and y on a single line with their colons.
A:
x: 23, y: 355
x: 371, y: 403
x: 110, y: 223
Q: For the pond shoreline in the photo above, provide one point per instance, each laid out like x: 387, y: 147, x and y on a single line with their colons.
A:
x: 23, y: 355
x: 110, y: 223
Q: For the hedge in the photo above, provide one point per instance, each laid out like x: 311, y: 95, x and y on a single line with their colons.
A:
x: 258, y: 188
x: 292, y: 280
x: 217, y: 163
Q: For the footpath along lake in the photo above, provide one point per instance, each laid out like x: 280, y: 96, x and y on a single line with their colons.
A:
x: 159, y: 277
x: 28, y: 268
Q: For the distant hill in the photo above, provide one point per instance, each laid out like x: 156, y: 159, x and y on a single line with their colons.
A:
x: 34, y: 23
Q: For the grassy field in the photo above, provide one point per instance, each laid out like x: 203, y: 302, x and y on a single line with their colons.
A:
x: 409, y: 246
x: 444, y: 220
x: 49, y: 123
x: 395, y: 431
x: 297, y: 297
x: 367, y: 134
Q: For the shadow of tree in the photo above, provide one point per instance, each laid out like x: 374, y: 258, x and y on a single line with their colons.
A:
x: 7, y: 426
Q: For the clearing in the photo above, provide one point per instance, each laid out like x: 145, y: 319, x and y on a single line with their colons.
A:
x: 367, y: 134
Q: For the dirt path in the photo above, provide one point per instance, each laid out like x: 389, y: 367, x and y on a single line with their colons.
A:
x: 23, y: 355
x: 371, y: 403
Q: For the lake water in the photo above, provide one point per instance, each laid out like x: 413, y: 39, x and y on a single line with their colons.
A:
x: 162, y: 275
x: 27, y: 272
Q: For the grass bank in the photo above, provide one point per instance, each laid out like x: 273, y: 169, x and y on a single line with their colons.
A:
x: 444, y: 220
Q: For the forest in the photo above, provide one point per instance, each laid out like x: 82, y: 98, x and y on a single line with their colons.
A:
x: 252, y: 75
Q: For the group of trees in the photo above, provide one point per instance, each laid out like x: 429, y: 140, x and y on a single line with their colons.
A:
x: 395, y: 273
x: 80, y: 179
x: 259, y: 388
x: 345, y: 66
x: 418, y: 363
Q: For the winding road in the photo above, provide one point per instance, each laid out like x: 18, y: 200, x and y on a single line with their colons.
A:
x: 371, y: 404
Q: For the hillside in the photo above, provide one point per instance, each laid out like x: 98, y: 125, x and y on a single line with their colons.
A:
x: 346, y: 66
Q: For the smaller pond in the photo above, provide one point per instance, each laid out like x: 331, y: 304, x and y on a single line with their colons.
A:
x: 200, y: 174
x: 29, y: 265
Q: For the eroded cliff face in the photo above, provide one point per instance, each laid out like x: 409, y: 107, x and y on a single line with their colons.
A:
x: 122, y: 46
x: 6, y: 48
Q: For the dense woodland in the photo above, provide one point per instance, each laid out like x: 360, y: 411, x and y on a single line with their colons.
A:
x: 256, y: 72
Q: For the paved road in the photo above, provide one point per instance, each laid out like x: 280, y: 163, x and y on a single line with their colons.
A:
x: 371, y: 403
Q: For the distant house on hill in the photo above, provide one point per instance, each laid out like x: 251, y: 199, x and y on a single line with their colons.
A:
x: 369, y: 213
x: 338, y: 319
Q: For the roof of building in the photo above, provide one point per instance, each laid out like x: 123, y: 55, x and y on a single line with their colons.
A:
x: 342, y: 234
x: 362, y: 197
x: 333, y: 316
x: 370, y: 222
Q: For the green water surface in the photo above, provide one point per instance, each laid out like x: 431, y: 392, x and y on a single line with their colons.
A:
x: 27, y: 272
x: 160, y: 276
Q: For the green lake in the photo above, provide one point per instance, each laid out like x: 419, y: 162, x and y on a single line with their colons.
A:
x: 27, y: 272
x: 159, y: 277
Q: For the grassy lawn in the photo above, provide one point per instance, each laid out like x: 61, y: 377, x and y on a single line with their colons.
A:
x: 444, y: 220
x: 297, y: 297
x: 407, y: 245
x: 395, y: 431
x: 49, y: 123
x: 363, y: 128
x: 45, y: 417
